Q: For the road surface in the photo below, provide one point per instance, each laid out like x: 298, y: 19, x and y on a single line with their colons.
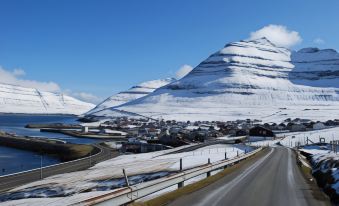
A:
x: 10, y: 181
x: 274, y: 179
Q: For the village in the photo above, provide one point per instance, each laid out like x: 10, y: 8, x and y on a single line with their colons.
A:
x: 144, y: 135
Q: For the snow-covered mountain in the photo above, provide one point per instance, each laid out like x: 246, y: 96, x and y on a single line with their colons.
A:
x: 133, y: 93
x: 250, y: 79
x: 315, y: 67
x: 16, y: 99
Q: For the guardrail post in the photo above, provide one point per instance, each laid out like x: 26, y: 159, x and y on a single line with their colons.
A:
x: 90, y: 158
x: 209, y: 173
x: 180, y: 184
x: 180, y: 164
x: 126, y: 178
x: 237, y: 153
x: 225, y: 159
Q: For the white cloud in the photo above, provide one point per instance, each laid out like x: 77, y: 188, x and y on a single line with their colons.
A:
x: 319, y: 41
x: 185, y: 69
x: 278, y: 35
x: 15, y: 78
x: 84, y: 96
x: 19, y: 72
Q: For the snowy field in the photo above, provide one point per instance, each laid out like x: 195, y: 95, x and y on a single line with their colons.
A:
x: 329, y: 135
x: 292, y: 139
x: 107, y: 176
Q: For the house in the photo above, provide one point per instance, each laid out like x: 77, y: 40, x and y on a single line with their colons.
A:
x: 281, y: 126
x: 330, y: 123
x: 261, y: 132
x: 84, y: 129
x: 297, y: 127
x: 318, y: 125
x: 240, y: 132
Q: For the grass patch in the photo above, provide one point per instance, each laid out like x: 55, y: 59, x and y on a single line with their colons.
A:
x: 78, y: 151
x: 171, y: 196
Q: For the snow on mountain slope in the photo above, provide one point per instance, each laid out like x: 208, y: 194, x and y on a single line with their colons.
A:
x: 133, y: 93
x: 315, y: 67
x: 16, y: 99
x: 246, y: 79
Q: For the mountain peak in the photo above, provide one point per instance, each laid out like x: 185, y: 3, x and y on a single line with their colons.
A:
x: 262, y: 41
x: 131, y: 94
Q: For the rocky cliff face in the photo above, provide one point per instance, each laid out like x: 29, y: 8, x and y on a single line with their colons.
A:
x: 15, y: 99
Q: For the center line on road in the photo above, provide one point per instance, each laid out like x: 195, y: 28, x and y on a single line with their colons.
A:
x: 215, y: 196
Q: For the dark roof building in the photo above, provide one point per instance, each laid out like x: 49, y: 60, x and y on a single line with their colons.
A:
x: 261, y: 132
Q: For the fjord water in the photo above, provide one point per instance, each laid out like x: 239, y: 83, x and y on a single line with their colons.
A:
x: 16, y: 160
x: 16, y: 124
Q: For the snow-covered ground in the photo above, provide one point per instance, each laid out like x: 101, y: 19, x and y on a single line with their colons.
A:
x: 292, y: 139
x: 16, y: 99
x: 108, y: 175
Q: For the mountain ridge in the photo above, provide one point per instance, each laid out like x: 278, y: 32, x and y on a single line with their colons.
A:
x: 131, y: 94
x: 22, y: 100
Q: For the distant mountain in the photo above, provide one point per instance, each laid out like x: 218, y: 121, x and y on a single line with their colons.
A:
x: 16, y: 99
x: 133, y: 93
x: 315, y: 67
x: 250, y: 79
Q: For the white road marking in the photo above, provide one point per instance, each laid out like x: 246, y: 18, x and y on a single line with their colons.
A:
x: 292, y: 183
x: 214, y: 197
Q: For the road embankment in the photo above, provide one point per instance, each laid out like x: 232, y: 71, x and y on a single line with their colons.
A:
x: 89, y: 135
x: 59, y: 149
x: 54, y: 126
x: 324, y: 168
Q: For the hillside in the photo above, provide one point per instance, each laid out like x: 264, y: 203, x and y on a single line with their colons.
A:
x: 16, y: 99
x: 131, y: 94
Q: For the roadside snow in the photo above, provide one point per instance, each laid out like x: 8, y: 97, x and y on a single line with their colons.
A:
x: 107, y: 174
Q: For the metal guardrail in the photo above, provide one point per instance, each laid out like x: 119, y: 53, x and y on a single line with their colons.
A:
x: 301, y: 159
x: 49, y: 166
x: 129, y: 194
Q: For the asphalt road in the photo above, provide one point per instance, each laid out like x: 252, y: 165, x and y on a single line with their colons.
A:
x: 15, y: 180
x: 273, y: 179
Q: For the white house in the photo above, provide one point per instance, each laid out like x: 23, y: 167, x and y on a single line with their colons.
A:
x: 318, y: 126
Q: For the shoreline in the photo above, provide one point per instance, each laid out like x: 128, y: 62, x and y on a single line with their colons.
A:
x: 38, y: 114
x: 63, y: 151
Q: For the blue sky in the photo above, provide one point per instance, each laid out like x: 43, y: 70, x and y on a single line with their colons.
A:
x: 102, y: 47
